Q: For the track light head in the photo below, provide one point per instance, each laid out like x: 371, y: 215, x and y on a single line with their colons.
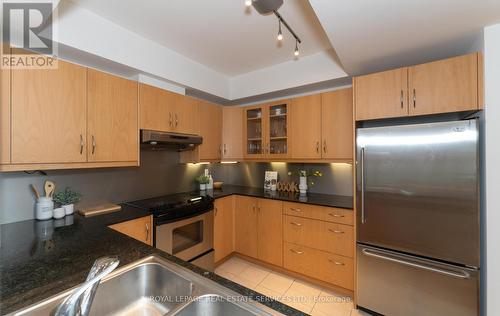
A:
x: 280, y: 33
x: 296, y: 52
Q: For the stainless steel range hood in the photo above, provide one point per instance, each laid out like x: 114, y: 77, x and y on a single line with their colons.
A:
x: 167, y: 140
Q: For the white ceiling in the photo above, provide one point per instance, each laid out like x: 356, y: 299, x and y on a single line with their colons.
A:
x: 223, y: 35
x: 373, y: 35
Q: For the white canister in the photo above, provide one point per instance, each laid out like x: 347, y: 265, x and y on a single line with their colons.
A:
x: 44, y: 208
x: 59, y: 213
x: 69, y: 208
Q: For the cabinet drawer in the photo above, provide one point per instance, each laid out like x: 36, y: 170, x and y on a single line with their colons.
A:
x: 338, y: 239
x: 302, y: 210
x: 302, y: 231
x: 301, y: 259
x: 338, y: 215
x: 320, y: 265
x: 330, y: 214
x: 337, y: 270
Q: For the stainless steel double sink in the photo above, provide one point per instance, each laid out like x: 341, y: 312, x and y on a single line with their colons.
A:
x: 154, y: 286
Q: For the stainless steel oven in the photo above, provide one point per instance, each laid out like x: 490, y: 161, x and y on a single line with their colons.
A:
x: 190, y: 239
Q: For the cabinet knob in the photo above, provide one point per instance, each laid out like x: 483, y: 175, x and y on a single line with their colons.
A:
x: 336, y: 262
x: 176, y: 120
x: 296, y: 224
x: 336, y: 231
x: 147, y: 232
x: 336, y: 215
x: 81, y: 144
x: 296, y: 251
x: 295, y: 209
x: 414, y: 98
x: 317, y: 147
x: 170, y: 122
x: 401, y: 98
x: 324, y: 146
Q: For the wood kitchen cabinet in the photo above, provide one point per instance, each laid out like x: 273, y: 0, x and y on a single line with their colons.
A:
x: 266, y: 130
x: 112, y: 118
x: 258, y: 229
x: 306, y: 127
x: 223, y: 227
x: 336, y: 125
x: 49, y: 115
x: 140, y: 229
x: 185, y: 115
x: 162, y: 110
x: 382, y: 95
x: 4, y: 110
x: 232, y: 133
x: 210, y: 116
x: 245, y: 226
x: 270, y: 231
x: 448, y: 85
x: 155, y: 108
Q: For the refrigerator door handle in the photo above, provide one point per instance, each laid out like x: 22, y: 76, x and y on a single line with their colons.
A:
x: 363, y: 219
x: 394, y: 258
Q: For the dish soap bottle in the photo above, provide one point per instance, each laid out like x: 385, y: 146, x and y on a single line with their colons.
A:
x: 210, y: 184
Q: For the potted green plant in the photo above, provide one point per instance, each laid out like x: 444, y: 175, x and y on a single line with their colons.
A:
x: 203, y: 180
x: 67, y: 199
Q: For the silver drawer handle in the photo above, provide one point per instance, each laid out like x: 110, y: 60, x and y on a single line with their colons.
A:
x: 336, y: 262
x: 336, y: 231
x: 376, y: 254
x: 296, y: 224
x: 147, y: 232
x: 295, y: 209
x: 296, y: 251
x: 336, y: 215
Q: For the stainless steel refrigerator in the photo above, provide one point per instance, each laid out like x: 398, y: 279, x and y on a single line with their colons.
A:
x: 418, y: 226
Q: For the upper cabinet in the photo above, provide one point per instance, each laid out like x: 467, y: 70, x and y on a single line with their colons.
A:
x: 306, y: 127
x: 382, y: 95
x: 266, y: 130
x: 337, y: 125
x: 49, y: 115
x: 154, y: 105
x: 165, y: 111
x: 210, y: 116
x: 232, y: 133
x: 112, y: 118
x: 449, y: 85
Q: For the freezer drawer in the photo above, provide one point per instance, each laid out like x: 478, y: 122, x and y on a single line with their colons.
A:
x: 391, y: 283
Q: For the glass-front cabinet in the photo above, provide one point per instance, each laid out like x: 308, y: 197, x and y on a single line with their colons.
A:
x: 266, y: 130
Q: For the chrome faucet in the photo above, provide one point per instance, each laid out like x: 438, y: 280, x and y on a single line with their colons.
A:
x: 80, y: 301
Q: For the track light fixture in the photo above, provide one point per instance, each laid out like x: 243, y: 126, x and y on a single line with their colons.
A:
x: 280, y: 34
x: 265, y: 7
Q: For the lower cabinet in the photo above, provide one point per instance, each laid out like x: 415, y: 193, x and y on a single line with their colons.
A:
x: 140, y: 229
x: 223, y: 227
x: 258, y: 229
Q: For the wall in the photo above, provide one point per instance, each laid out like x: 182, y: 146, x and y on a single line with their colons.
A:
x: 160, y: 173
x: 492, y: 173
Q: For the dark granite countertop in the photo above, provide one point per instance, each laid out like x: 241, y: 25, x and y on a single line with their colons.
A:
x: 340, y: 201
x: 39, y: 259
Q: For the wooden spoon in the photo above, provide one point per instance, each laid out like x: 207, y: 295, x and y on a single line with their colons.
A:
x: 49, y: 187
x: 37, y: 195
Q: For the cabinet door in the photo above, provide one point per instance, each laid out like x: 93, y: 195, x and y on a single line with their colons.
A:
x: 223, y: 227
x: 210, y: 116
x: 337, y: 124
x: 139, y: 229
x: 270, y: 231
x: 112, y: 118
x: 245, y: 226
x: 381, y: 95
x: 232, y: 133
x: 49, y: 115
x: 155, y: 108
x: 277, y: 132
x: 448, y: 85
x: 306, y: 127
x: 254, y: 131
x: 185, y: 115
x: 4, y: 111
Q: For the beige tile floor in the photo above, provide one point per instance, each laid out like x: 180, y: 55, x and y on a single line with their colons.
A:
x: 304, y: 296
